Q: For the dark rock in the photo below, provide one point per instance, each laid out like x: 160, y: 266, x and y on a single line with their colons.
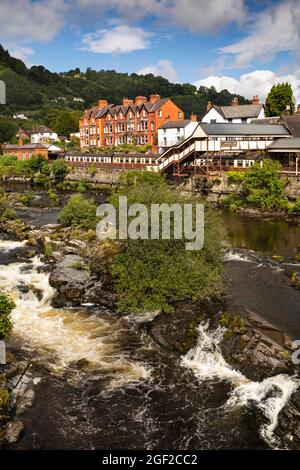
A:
x: 176, y: 331
x: 254, y: 355
x: 288, y: 428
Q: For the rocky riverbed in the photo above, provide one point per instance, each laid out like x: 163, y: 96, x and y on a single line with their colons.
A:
x: 243, y: 358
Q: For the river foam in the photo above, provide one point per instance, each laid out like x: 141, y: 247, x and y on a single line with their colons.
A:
x: 269, y: 395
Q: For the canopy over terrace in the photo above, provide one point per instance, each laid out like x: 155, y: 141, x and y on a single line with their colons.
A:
x: 287, y: 151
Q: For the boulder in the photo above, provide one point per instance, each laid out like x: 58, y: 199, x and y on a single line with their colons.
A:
x: 256, y: 355
x: 13, y: 431
x: 69, y: 278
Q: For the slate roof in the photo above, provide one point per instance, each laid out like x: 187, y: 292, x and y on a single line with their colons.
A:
x: 228, y: 128
x: 292, y: 123
x: 173, y: 124
x: 292, y: 144
x: 100, y: 112
x: 34, y: 146
x: 240, y: 111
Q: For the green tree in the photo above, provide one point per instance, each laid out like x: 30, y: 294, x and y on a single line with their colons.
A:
x: 279, y: 100
x: 37, y: 163
x: 261, y: 187
x: 6, y: 306
x: 151, y: 274
x: 79, y: 212
x: 8, y: 130
x: 66, y: 122
x: 59, y: 169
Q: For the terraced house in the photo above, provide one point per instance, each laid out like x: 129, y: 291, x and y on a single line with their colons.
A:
x: 133, y: 122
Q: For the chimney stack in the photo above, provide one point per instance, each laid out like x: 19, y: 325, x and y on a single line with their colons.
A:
x: 255, y: 99
x: 140, y: 99
x: 194, y: 117
x: 20, y: 142
x: 298, y: 109
x: 127, y: 102
x: 235, y: 101
x: 209, y: 106
x: 154, y: 98
x: 102, y: 103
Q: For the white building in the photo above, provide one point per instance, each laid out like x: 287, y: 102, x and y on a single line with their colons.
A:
x: 43, y: 135
x: 20, y: 116
x: 172, y: 132
x: 235, y: 113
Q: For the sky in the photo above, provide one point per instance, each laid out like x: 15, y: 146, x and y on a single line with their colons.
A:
x: 243, y: 45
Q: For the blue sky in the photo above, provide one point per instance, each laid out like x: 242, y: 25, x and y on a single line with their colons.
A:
x: 242, y: 45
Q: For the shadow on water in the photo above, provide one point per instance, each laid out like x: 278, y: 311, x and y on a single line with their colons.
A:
x: 264, y: 236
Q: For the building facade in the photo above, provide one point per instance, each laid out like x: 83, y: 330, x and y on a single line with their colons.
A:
x: 235, y: 113
x: 26, y: 151
x: 134, y: 122
x: 172, y: 132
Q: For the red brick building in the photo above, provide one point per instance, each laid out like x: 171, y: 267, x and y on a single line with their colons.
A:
x: 26, y: 151
x: 134, y: 122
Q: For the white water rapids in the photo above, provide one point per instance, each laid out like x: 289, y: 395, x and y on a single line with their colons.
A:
x: 62, y: 336
x: 270, y: 395
x: 65, y: 336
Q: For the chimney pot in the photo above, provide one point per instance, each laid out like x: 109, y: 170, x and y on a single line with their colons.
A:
x: 102, y: 103
x: 209, y: 105
x: 194, y: 117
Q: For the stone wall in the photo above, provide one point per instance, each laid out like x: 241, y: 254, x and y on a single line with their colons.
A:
x: 103, y: 175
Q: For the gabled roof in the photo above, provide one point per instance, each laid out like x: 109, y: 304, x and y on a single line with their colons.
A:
x: 239, y: 111
x: 292, y: 123
x: 42, y: 130
x: 113, y: 109
x: 175, y: 124
x: 228, y: 128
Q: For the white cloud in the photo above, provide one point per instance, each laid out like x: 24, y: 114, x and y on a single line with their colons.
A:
x: 20, y: 52
x: 204, y: 16
x: 28, y: 20
x: 193, y: 15
x: 258, y: 83
x: 274, y: 30
x: 119, y: 39
x: 163, y: 68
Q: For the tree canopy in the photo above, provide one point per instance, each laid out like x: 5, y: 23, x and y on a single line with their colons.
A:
x: 280, y: 100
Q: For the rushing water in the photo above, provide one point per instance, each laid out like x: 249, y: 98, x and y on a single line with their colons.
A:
x: 101, y: 382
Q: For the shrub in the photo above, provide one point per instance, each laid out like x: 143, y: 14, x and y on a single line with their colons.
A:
x: 152, y: 274
x: 6, y: 306
x: 295, y: 209
x: 26, y: 198
x: 48, y: 250
x: 59, y: 169
x: 79, y: 212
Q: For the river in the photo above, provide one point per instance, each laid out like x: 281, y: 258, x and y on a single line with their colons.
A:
x: 102, y: 382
